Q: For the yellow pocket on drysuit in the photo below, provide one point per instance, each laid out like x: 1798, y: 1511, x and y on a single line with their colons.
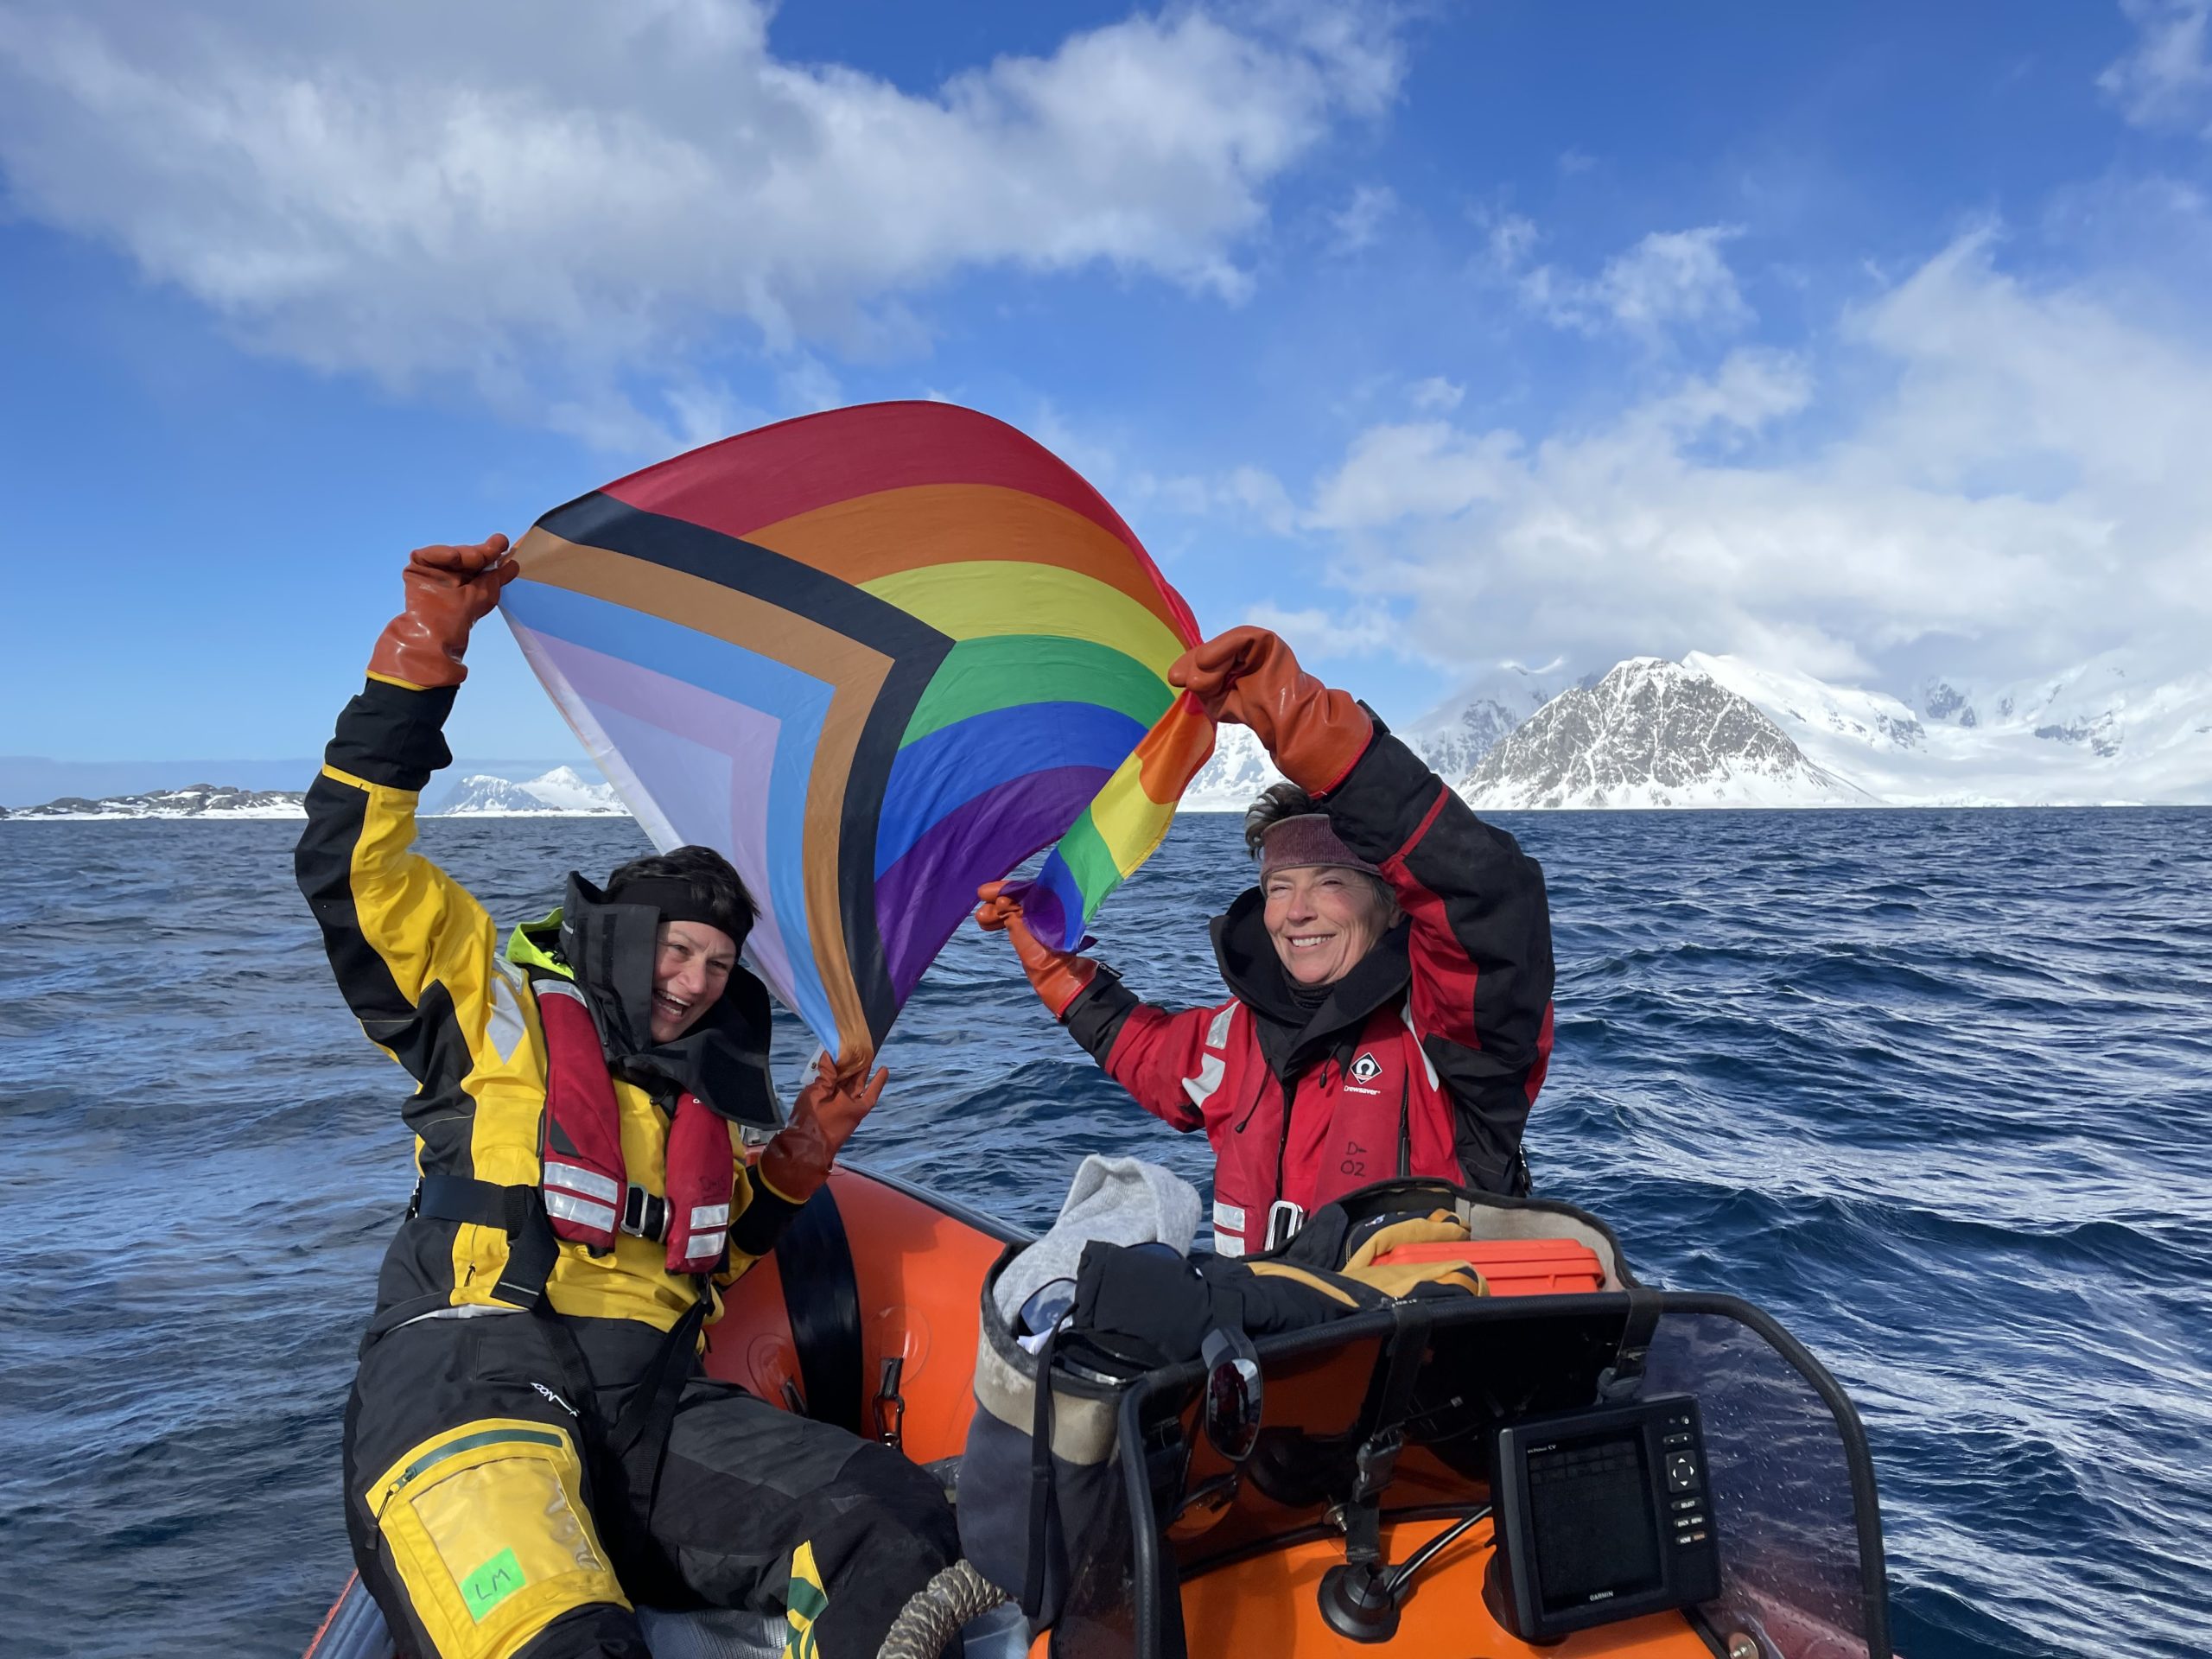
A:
x: 488, y: 1532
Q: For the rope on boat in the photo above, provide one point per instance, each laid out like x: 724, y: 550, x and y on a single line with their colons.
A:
x: 939, y: 1608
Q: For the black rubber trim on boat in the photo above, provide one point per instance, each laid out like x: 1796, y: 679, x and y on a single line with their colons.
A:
x: 821, y: 1297
x: 1144, y: 1523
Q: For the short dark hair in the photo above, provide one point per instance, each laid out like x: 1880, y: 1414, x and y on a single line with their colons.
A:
x: 1276, y: 803
x: 714, y: 883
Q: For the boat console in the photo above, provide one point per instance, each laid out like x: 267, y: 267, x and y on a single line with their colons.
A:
x: 1516, y: 1491
x: 1600, y: 1515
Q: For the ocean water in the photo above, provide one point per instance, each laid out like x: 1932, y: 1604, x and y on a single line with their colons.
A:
x: 1935, y: 1087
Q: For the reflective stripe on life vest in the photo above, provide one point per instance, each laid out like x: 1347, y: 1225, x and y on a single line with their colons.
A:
x: 1228, y: 1229
x: 581, y: 1135
x: 589, y: 1195
x: 1213, y: 1064
x: 700, y: 1181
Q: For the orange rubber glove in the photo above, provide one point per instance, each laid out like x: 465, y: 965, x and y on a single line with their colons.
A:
x: 450, y: 590
x: 823, y: 1117
x: 1248, y: 676
x: 1057, y: 976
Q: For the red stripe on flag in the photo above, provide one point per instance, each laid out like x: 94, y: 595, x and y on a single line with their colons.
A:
x: 756, y: 478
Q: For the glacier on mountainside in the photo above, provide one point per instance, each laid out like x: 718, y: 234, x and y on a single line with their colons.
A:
x: 1452, y: 738
x: 1237, y: 770
x: 1455, y: 735
x: 1651, y: 733
x: 2097, y: 733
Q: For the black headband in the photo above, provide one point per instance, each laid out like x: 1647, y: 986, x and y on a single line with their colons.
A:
x: 672, y: 897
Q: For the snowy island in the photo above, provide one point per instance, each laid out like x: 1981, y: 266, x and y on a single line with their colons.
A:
x: 1707, y: 731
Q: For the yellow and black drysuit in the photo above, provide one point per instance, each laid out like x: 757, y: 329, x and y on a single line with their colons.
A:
x: 529, y: 1443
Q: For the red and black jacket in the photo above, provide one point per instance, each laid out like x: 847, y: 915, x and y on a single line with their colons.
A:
x: 1424, y: 1060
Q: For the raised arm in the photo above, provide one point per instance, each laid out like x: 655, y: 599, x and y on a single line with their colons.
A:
x: 1480, y: 935
x: 415, y: 955
x: 1480, y: 944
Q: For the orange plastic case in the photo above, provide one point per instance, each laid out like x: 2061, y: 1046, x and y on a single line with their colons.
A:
x: 1515, y: 1267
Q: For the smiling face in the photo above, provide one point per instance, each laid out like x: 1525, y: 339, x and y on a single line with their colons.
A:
x: 692, y: 965
x: 1323, y: 919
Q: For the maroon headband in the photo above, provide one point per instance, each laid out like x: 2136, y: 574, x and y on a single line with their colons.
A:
x: 1300, y: 842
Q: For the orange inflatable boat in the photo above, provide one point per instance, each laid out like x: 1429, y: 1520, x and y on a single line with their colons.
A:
x: 1571, y: 1465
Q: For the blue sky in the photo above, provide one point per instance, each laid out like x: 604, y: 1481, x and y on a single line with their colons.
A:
x: 1865, y: 340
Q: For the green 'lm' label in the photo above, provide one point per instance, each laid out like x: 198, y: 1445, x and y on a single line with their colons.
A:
x: 492, y: 1584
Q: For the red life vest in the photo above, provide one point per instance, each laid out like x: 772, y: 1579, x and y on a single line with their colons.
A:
x: 589, y: 1194
x: 1333, y: 1129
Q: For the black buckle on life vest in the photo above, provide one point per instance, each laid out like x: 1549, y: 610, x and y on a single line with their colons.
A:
x: 644, y: 1215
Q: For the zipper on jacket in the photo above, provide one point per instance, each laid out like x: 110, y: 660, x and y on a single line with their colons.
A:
x: 1258, y: 1095
x: 1282, y: 1141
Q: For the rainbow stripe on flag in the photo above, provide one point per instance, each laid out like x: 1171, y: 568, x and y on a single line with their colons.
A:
x: 1121, y: 828
x: 877, y: 656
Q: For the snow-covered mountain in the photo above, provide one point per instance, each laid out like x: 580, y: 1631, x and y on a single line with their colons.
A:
x: 1455, y: 735
x: 1239, y: 770
x: 561, y: 793
x: 1651, y: 734
x: 2096, y: 732
x: 194, y: 801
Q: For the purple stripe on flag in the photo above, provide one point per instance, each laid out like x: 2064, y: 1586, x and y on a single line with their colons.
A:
x: 922, y: 897
x: 1054, y: 912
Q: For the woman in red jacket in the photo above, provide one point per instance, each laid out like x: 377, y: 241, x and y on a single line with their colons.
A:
x: 1390, y: 977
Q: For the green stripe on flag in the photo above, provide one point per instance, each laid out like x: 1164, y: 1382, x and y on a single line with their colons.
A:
x: 1006, y: 670
x: 1090, y: 862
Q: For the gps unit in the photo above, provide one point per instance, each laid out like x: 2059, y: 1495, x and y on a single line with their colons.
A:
x: 1601, y: 1515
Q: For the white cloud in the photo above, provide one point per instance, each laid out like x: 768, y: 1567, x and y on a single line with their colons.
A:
x: 1316, y: 634
x: 1245, y: 494
x: 2022, y: 488
x: 1509, y: 239
x: 1671, y: 279
x: 417, y: 191
x: 703, y: 413
x: 2167, y: 79
x: 1422, y: 469
x: 1435, y: 395
x: 1359, y: 221
x: 809, y: 387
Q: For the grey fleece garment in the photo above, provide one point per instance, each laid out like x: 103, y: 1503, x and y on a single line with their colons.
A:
x: 1120, y: 1200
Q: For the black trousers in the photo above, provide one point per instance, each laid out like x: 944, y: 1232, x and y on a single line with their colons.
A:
x: 487, y: 1521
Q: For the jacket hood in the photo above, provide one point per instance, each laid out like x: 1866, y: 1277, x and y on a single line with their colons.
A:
x: 608, y: 950
x: 1290, y: 1036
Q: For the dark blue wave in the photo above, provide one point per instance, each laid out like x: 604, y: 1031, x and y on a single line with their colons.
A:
x: 1936, y: 1088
